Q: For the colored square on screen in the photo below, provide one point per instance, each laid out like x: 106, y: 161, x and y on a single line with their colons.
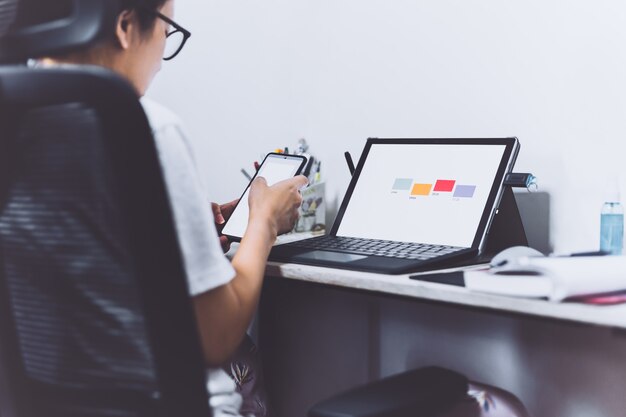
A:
x: 421, y: 189
x: 402, y: 184
x: 466, y: 191
x: 444, y: 186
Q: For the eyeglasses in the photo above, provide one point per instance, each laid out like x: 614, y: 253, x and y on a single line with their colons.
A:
x: 176, y: 38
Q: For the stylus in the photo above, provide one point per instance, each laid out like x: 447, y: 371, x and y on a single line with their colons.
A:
x: 350, y: 162
x: 245, y: 174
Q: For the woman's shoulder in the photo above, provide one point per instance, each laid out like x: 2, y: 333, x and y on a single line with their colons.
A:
x: 159, y: 116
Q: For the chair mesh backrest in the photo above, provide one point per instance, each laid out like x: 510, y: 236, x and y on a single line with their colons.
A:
x: 8, y: 10
x: 67, y: 258
x: 75, y: 255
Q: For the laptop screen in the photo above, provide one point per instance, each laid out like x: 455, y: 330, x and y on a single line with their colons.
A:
x: 434, y: 193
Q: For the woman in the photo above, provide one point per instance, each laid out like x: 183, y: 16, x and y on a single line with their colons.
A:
x: 225, y: 294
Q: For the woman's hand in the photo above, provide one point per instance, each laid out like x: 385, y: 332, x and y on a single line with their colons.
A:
x: 278, y: 205
x: 222, y: 213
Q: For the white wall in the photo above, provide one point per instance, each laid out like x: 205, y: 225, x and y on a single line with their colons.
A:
x: 258, y: 75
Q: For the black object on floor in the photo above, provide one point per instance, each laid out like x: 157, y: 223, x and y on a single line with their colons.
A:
x: 423, y: 392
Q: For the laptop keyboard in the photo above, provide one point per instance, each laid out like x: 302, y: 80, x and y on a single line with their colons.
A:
x: 374, y: 247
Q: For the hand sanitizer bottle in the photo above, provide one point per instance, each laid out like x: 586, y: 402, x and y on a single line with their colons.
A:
x: 612, y: 224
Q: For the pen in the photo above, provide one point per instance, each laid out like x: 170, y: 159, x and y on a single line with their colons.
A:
x: 245, y: 174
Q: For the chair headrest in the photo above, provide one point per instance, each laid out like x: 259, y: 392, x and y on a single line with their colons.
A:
x: 36, y: 28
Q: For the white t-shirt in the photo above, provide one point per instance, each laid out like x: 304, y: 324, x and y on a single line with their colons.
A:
x: 206, y: 266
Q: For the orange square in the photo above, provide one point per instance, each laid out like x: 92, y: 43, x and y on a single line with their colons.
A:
x: 421, y: 189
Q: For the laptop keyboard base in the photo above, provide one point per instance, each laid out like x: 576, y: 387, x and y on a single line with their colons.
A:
x: 375, y: 247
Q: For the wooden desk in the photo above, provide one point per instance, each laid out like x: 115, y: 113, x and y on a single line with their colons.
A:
x: 325, y: 330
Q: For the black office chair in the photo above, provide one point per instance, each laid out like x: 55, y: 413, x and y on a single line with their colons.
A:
x: 95, y: 314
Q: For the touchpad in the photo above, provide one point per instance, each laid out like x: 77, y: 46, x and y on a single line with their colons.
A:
x: 321, y: 255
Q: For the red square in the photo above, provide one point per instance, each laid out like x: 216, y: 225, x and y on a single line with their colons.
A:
x: 444, y: 186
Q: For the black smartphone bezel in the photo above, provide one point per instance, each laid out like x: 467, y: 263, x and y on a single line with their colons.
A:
x: 271, y: 154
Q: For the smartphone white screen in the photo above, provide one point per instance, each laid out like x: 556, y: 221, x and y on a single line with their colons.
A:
x: 275, y: 168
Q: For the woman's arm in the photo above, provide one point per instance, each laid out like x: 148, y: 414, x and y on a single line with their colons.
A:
x: 225, y: 313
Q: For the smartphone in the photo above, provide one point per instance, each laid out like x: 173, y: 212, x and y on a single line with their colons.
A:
x: 276, y: 167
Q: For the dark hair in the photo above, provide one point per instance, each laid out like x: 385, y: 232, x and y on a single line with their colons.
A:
x: 143, y: 8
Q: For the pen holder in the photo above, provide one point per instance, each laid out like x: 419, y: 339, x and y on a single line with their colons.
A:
x: 313, y: 209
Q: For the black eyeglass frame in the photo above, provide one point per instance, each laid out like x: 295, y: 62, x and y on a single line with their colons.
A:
x: 178, y: 28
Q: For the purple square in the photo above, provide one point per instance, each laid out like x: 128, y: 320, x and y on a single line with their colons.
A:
x: 466, y: 191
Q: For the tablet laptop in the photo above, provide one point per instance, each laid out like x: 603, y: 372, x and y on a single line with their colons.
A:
x: 412, y: 204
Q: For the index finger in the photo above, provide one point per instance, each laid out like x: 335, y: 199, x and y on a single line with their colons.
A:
x: 300, y: 181
x: 228, y: 208
x: 217, y: 213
